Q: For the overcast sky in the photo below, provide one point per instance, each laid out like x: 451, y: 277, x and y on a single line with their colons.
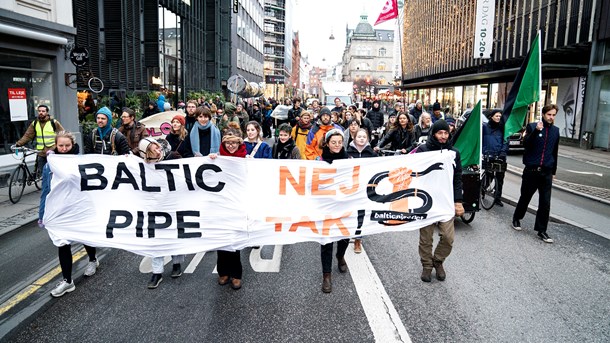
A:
x: 315, y: 19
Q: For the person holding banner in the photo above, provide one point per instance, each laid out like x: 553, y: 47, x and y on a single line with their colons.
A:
x: 205, y: 136
x: 286, y: 148
x: 178, y: 138
x: 65, y: 143
x: 256, y: 147
x: 153, y: 150
x: 439, y: 140
x: 332, y: 149
x: 495, y: 146
x: 228, y: 263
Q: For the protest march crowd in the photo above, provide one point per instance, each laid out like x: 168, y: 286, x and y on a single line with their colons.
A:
x: 313, y: 132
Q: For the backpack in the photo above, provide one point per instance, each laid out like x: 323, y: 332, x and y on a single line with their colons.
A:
x: 112, y: 136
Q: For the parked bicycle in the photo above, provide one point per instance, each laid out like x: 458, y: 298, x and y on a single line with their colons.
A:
x: 22, y: 175
x: 489, y: 179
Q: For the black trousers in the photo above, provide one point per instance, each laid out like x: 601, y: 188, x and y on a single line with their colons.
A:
x: 499, y: 184
x: 228, y: 263
x: 326, y: 253
x: 532, y: 181
x: 64, y: 253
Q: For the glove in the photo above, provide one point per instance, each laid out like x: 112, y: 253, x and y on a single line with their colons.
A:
x: 50, y: 152
x: 40, y: 224
x: 459, y: 209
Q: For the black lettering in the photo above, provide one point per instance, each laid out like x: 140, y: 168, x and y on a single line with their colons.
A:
x: 112, y: 221
x: 84, y: 177
x: 140, y: 224
x: 145, y: 187
x: 129, y: 179
x: 187, y: 177
x: 153, y: 225
x: 199, y: 178
x: 170, y: 176
x: 187, y: 225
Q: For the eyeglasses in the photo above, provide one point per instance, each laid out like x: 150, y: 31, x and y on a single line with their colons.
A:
x: 231, y: 143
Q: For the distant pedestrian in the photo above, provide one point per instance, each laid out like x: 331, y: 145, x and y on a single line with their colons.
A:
x: 541, y: 144
x: 132, y: 129
x: 495, y: 146
x: 42, y: 131
x: 105, y: 139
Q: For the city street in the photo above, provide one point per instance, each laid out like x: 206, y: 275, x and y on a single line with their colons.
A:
x: 502, y: 285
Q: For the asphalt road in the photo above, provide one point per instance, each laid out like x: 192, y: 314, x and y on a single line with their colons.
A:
x: 502, y: 285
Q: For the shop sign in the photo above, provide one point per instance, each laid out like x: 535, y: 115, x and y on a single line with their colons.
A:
x: 17, y: 103
x: 483, y: 37
x: 79, y: 56
x: 235, y: 6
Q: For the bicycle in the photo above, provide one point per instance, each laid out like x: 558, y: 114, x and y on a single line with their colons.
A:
x: 22, y: 176
x: 491, y: 165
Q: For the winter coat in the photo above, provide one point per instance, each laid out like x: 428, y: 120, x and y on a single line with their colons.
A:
x: 376, y: 116
x: 398, y: 138
x: 264, y: 150
x: 285, y: 151
x: 293, y: 113
x: 299, y: 135
x: 182, y: 147
x: 353, y: 152
x: 96, y: 145
x: 541, y: 147
x: 315, y: 136
x: 134, y: 134
x: 493, y: 140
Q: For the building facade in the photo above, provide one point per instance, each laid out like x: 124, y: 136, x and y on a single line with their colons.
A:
x: 278, y: 47
x: 248, y: 40
x: 35, y: 63
x: 368, y: 56
x: 438, y: 62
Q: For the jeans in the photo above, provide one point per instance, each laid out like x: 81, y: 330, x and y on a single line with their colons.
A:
x: 444, y: 246
x: 157, y: 263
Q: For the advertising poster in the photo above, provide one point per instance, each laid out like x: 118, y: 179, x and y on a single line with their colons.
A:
x: 17, y: 103
x: 570, y: 97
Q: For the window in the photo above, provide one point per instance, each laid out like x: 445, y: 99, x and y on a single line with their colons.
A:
x: 381, y: 66
x: 382, y: 52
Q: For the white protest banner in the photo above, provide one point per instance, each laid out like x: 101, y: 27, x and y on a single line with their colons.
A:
x: 484, y: 28
x: 198, y: 204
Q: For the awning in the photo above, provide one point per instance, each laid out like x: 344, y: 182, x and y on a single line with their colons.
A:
x: 35, y: 35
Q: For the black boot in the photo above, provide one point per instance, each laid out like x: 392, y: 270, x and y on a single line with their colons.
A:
x: 327, y: 285
x: 176, y: 270
x: 155, y: 280
x: 342, y: 264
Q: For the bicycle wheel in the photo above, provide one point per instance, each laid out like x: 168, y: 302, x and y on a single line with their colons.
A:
x: 488, y: 191
x: 16, y: 184
x: 38, y: 178
x: 467, y: 217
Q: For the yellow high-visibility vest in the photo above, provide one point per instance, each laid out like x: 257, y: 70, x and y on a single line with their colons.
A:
x: 45, y: 137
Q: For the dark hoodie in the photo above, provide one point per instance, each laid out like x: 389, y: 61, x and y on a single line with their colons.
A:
x: 353, y: 152
x: 329, y: 156
x: 376, y: 115
x: 432, y: 144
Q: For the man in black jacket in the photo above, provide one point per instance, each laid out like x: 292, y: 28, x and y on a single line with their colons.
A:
x: 295, y: 112
x: 541, y: 143
x: 105, y: 139
x: 439, y: 140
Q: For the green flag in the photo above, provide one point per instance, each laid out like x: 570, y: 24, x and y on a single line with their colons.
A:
x: 468, y: 138
x: 524, y: 91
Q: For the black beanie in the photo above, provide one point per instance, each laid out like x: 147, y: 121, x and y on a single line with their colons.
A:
x: 324, y: 111
x: 439, y: 125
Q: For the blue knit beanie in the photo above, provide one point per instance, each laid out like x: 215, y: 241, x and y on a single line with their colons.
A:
x: 105, y: 111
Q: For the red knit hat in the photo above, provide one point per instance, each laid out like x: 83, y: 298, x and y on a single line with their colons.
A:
x: 179, y: 118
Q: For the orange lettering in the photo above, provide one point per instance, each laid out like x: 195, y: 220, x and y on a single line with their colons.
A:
x: 355, y: 183
x: 328, y: 222
x: 286, y: 176
x: 278, y: 222
x: 305, y: 222
x: 316, y: 182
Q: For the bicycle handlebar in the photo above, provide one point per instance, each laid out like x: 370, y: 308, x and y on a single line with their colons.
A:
x: 24, y: 149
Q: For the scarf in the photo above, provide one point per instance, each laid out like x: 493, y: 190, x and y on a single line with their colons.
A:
x: 283, y: 151
x: 240, y: 152
x: 214, y: 137
x: 329, y: 156
x: 304, y: 126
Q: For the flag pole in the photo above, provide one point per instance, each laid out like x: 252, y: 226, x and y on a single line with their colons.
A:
x: 402, y: 79
x: 539, y: 74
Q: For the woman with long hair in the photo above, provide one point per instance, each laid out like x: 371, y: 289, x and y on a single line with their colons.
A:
x: 255, y: 145
x: 178, y: 138
x: 205, y: 136
x: 401, y: 136
x: 422, y: 129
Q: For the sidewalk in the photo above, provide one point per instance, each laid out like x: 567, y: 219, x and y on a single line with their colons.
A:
x: 14, y: 216
x: 595, y: 157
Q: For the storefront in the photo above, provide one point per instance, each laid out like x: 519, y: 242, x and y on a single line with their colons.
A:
x: 33, y: 65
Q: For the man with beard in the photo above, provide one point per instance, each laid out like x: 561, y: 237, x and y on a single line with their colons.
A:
x: 133, y: 130
x: 541, y: 143
x: 439, y: 140
x: 190, y: 118
x: 42, y: 130
x: 313, y: 151
x: 417, y: 110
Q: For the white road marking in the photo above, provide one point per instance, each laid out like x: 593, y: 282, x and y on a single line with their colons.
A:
x: 598, y: 164
x: 586, y: 173
x: 261, y: 265
x: 194, y: 263
x: 380, y: 312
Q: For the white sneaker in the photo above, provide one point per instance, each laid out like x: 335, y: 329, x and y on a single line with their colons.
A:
x: 91, y: 268
x: 62, y: 288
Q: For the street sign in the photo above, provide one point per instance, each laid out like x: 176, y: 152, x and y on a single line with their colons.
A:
x: 274, y: 78
x: 79, y: 56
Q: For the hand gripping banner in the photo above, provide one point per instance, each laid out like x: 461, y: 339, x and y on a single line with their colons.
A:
x: 199, y: 204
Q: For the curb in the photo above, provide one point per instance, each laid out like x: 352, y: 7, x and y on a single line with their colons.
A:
x: 26, y: 221
x: 519, y: 171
